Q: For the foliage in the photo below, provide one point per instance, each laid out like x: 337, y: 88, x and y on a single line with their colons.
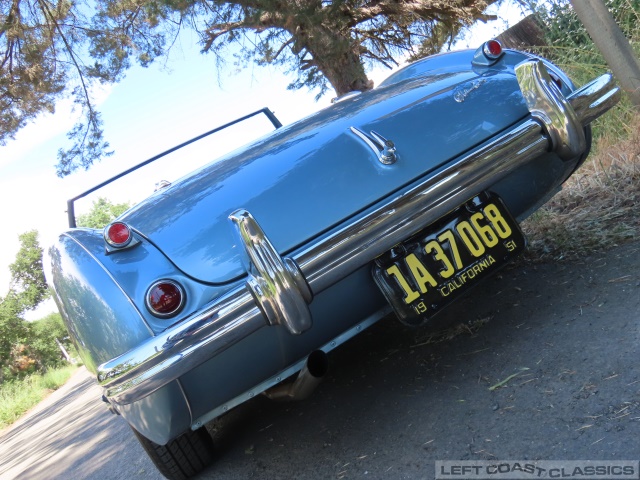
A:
x: 49, y: 50
x: 568, y: 40
x: 597, y: 207
x: 329, y: 42
x: 13, y: 332
x: 569, y: 46
x: 27, y: 289
x: 27, y: 277
x: 102, y: 212
x: 40, y: 63
x: 27, y: 347
x: 16, y: 397
x: 44, y: 335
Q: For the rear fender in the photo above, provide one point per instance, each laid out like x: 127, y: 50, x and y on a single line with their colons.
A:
x: 161, y: 416
x: 454, y: 61
x: 104, y: 323
x: 99, y: 315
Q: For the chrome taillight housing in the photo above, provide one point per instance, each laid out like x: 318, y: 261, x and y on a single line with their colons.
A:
x: 488, y: 53
x: 492, y: 49
x: 118, y: 234
x: 165, y: 298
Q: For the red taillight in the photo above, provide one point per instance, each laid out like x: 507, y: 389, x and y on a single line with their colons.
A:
x: 165, y: 298
x: 492, y: 49
x: 117, y: 234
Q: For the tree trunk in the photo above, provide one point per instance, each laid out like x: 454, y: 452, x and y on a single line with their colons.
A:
x: 345, y: 73
x: 523, y: 35
x: 337, y: 57
x: 612, y: 43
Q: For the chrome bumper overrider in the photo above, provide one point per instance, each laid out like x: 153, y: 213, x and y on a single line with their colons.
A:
x: 278, y: 290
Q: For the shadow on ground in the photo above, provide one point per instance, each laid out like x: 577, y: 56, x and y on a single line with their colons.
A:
x: 538, y: 363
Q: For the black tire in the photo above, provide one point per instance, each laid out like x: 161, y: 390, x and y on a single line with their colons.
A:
x: 183, y: 457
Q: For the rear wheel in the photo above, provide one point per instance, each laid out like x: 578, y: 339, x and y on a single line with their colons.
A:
x: 183, y: 457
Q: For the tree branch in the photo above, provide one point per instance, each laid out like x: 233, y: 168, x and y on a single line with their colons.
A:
x: 282, y: 47
x: 422, y: 8
x: 219, y: 29
x: 72, y: 55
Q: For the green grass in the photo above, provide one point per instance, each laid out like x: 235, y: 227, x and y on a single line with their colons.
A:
x: 18, y: 396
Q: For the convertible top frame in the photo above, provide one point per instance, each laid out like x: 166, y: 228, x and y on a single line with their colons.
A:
x: 71, y: 213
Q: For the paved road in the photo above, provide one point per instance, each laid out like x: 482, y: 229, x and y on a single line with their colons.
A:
x: 72, y: 435
x: 397, y: 399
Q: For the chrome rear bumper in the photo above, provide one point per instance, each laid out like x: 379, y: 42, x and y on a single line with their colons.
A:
x: 278, y: 290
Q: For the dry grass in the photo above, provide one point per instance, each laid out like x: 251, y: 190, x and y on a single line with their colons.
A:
x: 432, y: 337
x: 598, y: 206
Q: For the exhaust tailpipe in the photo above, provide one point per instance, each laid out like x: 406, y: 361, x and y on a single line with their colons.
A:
x: 305, y: 383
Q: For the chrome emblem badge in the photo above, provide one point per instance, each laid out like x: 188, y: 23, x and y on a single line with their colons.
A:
x: 461, y: 92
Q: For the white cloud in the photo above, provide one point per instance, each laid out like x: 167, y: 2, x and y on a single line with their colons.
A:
x: 30, y: 202
x: 45, y: 127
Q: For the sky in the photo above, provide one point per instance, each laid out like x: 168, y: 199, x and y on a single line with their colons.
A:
x: 152, y: 110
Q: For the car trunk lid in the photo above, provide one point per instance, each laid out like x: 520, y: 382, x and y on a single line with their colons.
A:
x: 317, y: 173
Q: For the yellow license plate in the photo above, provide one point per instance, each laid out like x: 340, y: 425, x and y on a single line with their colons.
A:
x: 427, y: 272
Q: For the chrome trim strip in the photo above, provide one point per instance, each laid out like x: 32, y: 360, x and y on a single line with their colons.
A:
x: 286, y: 373
x: 234, y: 316
x: 175, y: 311
x: 186, y: 398
x: 346, y: 96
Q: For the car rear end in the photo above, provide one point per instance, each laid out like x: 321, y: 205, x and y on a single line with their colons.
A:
x: 398, y: 199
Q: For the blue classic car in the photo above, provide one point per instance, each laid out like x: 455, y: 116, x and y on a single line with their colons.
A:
x: 239, y: 278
